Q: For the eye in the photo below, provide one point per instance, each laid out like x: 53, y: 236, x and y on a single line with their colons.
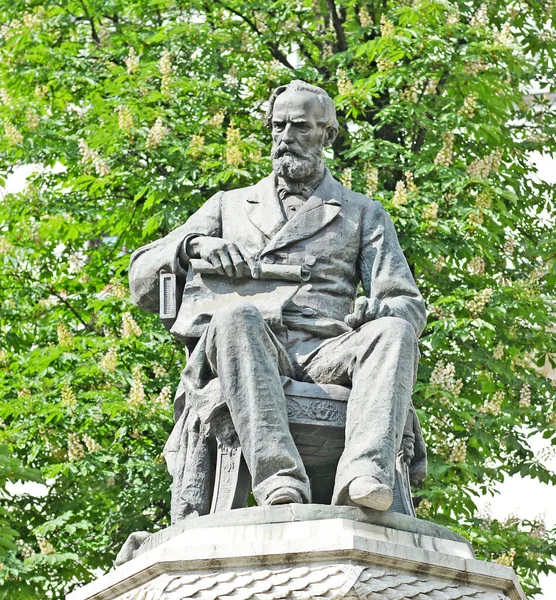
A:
x: 278, y: 126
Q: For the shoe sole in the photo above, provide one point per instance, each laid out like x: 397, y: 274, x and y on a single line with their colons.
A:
x: 378, y: 499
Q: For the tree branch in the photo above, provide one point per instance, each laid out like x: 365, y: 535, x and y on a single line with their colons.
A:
x: 91, y: 21
x: 305, y: 52
x: 418, y: 135
x: 315, y: 41
x: 274, y: 49
x: 338, y: 26
x: 64, y: 300
x: 119, y: 239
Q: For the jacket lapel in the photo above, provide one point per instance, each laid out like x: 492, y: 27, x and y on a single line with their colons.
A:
x: 317, y: 212
x: 263, y: 207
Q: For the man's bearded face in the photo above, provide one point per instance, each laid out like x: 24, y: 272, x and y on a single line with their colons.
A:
x: 289, y: 162
x: 297, y: 135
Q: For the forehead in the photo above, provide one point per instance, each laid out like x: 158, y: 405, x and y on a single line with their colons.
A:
x: 297, y: 105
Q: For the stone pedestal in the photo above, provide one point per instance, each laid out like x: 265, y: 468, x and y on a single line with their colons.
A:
x: 305, y: 552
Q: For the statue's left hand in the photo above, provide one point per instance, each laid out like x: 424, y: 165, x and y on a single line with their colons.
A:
x: 365, y: 309
x: 222, y: 427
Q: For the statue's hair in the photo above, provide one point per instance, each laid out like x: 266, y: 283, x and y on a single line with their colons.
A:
x: 297, y: 85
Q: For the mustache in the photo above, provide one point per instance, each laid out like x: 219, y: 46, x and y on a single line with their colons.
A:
x: 283, y: 149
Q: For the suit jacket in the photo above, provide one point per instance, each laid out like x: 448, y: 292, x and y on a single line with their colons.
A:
x: 342, y: 236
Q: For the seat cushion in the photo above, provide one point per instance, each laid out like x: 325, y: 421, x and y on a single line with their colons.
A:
x: 327, y: 391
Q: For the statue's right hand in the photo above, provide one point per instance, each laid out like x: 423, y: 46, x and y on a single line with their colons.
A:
x: 228, y: 258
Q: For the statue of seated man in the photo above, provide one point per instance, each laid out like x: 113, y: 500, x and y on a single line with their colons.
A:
x: 245, y: 333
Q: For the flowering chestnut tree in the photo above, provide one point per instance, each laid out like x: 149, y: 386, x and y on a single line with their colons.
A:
x: 135, y: 113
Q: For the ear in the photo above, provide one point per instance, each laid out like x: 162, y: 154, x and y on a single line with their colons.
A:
x: 330, y: 135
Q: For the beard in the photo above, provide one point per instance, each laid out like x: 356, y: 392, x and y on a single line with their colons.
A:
x: 289, y: 164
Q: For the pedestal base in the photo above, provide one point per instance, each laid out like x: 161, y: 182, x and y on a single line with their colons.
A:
x: 327, y: 558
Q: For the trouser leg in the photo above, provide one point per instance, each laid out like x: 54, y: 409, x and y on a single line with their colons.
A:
x: 246, y: 356
x: 380, y: 359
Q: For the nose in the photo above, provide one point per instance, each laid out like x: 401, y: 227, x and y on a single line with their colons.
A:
x: 288, y: 134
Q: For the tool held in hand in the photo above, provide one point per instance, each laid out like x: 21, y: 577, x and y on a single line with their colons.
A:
x: 299, y: 273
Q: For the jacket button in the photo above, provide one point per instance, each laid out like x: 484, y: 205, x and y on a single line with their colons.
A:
x: 268, y: 259
x: 310, y: 260
x: 307, y: 312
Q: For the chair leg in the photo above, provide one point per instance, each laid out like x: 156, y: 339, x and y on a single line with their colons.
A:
x: 232, y: 482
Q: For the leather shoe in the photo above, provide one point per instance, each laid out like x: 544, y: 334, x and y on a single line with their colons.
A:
x: 285, y: 495
x: 370, y: 493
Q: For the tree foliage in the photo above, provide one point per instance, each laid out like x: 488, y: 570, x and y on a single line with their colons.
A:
x: 137, y: 112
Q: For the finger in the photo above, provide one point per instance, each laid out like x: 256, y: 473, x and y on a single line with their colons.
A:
x: 226, y: 262
x: 249, y: 260
x: 373, y: 306
x: 350, y: 320
x: 359, y: 310
x: 214, y: 259
x: 361, y: 302
x: 237, y: 260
